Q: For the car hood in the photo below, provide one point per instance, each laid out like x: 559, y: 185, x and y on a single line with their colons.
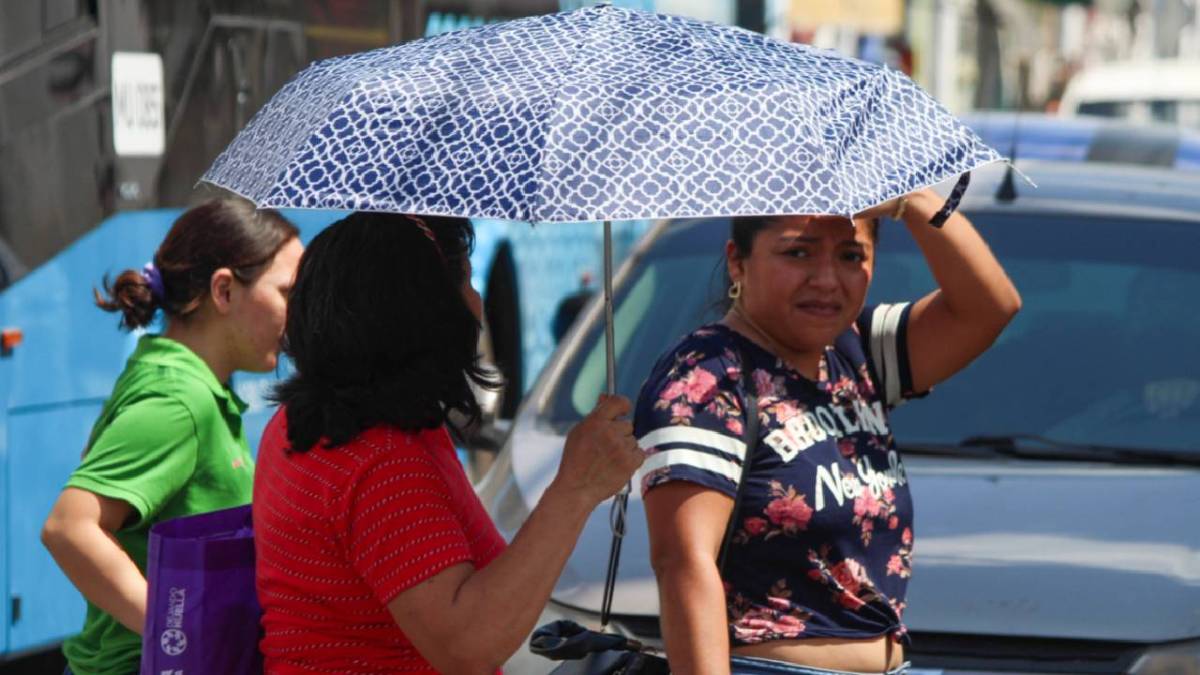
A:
x: 1003, y: 547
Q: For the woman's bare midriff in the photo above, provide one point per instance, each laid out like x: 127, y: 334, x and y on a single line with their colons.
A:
x: 871, y: 655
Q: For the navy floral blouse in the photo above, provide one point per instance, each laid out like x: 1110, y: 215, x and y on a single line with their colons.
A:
x: 823, y: 539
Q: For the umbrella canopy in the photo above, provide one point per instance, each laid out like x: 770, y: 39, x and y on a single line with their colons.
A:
x: 598, y: 114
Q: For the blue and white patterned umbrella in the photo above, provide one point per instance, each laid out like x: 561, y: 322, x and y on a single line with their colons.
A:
x: 597, y: 114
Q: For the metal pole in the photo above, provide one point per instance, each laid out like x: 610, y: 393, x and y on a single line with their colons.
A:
x: 610, y: 342
x: 617, y: 514
x: 945, y: 52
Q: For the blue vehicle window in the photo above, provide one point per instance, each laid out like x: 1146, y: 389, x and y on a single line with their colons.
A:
x: 674, y: 288
x: 1103, y: 352
x: 1105, y: 109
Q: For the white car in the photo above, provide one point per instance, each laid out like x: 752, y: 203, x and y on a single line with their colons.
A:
x: 1140, y: 91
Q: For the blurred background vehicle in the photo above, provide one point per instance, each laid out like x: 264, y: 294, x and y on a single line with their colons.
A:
x: 1088, y: 139
x: 1056, y: 479
x: 1165, y: 90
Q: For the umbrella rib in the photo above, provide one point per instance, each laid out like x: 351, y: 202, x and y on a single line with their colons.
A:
x: 303, y: 144
x: 539, y: 201
x: 857, y: 118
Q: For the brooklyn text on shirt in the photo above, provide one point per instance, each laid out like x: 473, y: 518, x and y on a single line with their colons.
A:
x: 847, y: 486
x: 804, y: 429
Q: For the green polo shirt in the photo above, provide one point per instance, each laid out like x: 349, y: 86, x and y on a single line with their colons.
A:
x: 170, y: 443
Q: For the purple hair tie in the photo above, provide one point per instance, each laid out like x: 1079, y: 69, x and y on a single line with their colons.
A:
x: 154, y: 279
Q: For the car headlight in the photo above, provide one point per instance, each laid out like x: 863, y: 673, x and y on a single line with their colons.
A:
x: 1181, y: 658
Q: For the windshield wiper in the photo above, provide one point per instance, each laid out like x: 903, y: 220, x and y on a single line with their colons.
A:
x: 1033, y: 446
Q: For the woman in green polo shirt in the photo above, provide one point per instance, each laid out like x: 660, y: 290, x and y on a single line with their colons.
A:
x: 169, y: 441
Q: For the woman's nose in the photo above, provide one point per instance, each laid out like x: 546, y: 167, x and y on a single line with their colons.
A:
x: 823, y: 274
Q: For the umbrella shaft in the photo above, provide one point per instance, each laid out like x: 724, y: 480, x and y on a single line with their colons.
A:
x: 617, y: 523
x: 610, y: 347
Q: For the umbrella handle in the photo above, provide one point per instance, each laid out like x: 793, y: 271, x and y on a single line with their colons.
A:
x: 956, y: 195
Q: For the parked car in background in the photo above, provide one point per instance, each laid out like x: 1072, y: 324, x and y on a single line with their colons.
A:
x: 1087, y: 139
x: 1163, y: 90
x: 1056, y: 480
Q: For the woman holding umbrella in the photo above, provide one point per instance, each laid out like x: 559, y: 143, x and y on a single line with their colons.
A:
x: 374, y: 554
x: 820, y: 545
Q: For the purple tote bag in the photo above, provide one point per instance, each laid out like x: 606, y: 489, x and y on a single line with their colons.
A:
x: 202, y: 614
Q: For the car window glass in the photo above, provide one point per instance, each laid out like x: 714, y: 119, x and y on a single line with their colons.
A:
x: 1104, y: 108
x: 1099, y: 353
x: 591, y: 380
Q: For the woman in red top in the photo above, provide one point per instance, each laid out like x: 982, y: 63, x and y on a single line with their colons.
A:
x: 374, y: 554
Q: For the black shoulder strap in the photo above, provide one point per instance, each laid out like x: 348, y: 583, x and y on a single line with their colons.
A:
x: 750, y: 440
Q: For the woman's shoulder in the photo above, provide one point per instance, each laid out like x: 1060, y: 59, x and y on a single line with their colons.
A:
x: 707, y: 357
x: 144, y: 391
x: 377, y: 450
x: 386, y: 439
x: 708, y: 346
x: 382, y: 445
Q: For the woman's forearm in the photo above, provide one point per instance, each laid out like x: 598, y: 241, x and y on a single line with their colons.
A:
x: 497, y: 606
x: 973, y: 285
x: 517, y: 584
x: 693, y: 616
x: 101, y: 569
x: 974, y: 301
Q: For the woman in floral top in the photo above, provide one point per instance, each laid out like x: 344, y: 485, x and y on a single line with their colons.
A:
x: 817, y: 569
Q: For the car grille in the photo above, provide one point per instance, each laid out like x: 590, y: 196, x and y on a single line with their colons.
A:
x: 978, y: 654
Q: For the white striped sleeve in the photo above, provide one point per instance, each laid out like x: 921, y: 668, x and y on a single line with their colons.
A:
x: 691, y: 454
x: 688, y: 417
x: 685, y: 435
x: 889, y: 351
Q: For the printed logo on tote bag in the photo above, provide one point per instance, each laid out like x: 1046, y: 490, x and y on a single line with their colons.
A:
x: 174, y: 640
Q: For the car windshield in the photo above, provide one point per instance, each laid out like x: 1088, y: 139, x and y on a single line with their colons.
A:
x: 1104, y: 352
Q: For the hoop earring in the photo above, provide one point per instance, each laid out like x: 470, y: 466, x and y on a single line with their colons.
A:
x: 735, y: 290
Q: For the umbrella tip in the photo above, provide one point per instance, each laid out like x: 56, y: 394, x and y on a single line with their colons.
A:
x: 1007, y: 191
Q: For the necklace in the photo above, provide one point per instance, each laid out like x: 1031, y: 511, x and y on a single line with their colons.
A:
x: 770, y: 344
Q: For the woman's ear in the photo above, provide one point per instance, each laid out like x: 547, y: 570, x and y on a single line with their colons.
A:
x: 220, y: 288
x: 733, y: 261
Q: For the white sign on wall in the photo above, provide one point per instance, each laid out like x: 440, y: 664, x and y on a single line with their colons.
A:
x: 139, y: 128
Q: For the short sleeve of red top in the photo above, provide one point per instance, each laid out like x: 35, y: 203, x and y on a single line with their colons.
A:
x: 340, y: 533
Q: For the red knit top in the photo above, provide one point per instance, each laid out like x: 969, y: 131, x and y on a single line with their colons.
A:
x: 340, y: 533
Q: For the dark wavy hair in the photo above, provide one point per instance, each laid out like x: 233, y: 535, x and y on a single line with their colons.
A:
x: 220, y: 233
x: 379, y: 331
